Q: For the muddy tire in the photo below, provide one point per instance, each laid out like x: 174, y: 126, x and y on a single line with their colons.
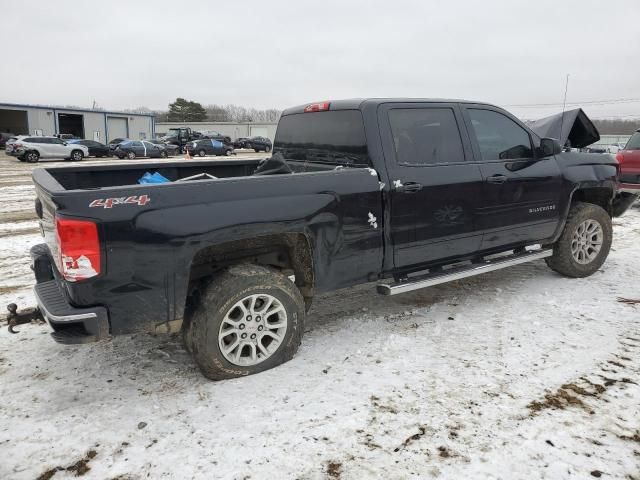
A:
x: 585, y: 241
x: 248, y: 319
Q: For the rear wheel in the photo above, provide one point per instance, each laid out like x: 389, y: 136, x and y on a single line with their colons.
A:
x: 250, y: 318
x: 131, y: 155
x: 267, y: 149
x: 585, y: 241
x: 201, y: 153
x: 31, y: 157
x: 163, y: 154
x: 228, y: 152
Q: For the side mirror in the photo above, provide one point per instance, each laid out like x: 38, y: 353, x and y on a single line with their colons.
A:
x: 65, y: 143
x: 550, y: 146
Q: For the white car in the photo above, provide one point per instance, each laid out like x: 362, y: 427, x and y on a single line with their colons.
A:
x: 31, y: 149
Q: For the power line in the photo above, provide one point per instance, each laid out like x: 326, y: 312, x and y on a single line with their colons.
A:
x: 587, y: 102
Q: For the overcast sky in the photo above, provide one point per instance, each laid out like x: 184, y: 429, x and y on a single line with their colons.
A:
x: 126, y: 54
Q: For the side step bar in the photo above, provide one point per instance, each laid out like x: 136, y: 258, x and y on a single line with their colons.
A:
x: 456, y: 273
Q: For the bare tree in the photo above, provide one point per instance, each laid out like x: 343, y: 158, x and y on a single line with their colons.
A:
x: 233, y: 113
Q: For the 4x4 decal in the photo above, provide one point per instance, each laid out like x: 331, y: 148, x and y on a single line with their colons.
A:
x: 140, y: 200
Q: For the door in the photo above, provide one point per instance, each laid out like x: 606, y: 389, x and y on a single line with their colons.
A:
x: 522, y: 190
x: 259, y: 132
x: 137, y: 148
x: 150, y: 149
x: 58, y: 148
x: 435, y: 187
x: 45, y: 147
x: 117, y: 127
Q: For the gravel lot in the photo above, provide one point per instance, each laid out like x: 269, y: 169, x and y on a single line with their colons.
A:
x: 517, y: 374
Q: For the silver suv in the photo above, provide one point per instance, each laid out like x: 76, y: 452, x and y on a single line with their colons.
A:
x: 31, y: 149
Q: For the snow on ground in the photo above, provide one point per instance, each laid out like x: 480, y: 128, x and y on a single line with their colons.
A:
x: 517, y: 374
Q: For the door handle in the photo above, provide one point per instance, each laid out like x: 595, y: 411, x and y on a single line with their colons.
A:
x: 497, y: 179
x: 409, y: 187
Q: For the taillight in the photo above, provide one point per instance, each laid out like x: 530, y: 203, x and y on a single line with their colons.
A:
x: 78, y: 249
x: 619, y: 157
x: 316, y: 107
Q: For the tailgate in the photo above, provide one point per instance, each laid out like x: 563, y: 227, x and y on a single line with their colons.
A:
x: 46, y: 212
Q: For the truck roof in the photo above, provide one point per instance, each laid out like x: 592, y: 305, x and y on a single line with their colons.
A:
x: 358, y: 103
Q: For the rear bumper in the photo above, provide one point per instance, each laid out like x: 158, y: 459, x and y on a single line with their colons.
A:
x: 71, y: 325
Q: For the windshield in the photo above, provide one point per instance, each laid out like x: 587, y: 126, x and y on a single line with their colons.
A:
x: 634, y: 142
x: 335, y: 137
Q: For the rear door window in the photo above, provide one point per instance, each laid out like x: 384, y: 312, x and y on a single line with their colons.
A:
x: 425, y: 136
x: 336, y: 137
x: 499, y: 137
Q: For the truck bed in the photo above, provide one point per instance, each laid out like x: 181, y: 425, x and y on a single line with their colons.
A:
x: 105, y: 176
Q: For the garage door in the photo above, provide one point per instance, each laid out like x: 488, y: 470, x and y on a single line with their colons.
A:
x: 259, y: 132
x: 117, y: 128
x: 14, y: 121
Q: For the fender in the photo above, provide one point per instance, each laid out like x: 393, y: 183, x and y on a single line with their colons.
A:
x: 596, y: 181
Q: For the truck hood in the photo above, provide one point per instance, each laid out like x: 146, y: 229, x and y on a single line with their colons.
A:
x: 573, y: 126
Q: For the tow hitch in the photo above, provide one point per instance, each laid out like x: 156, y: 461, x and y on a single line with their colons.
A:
x: 27, y: 315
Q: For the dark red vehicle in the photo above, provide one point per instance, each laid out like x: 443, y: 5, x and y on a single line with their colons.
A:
x: 629, y: 160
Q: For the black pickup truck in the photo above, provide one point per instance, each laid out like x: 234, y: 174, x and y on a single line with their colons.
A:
x: 407, y: 192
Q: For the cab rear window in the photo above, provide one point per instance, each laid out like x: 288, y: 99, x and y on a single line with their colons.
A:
x: 335, y: 137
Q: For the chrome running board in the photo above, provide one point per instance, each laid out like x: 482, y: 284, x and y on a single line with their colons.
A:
x: 457, y: 273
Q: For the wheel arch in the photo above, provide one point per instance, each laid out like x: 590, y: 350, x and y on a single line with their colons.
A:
x: 597, y: 195
x: 291, y: 253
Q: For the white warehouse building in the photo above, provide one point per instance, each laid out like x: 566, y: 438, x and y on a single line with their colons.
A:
x: 231, y: 129
x: 98, y: 125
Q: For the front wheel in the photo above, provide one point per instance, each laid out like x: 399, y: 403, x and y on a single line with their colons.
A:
x: 267, y: 149
x: 228, y: 152
x: 131, y: 155
x: 250, y: 318
x: 585, y: 241
x: 163, y: 155
x: 77, y: 155
x: 201, y: 153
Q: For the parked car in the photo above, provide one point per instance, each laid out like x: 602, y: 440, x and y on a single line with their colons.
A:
x: 259, y: 144
x: 4, y: 137
x: 31, y: 149
x: 114, y: 143
x: 213, y: 135
x: 96, y: 149
x: 209, y: 147
x: 139, y: 148
x: 436, y: 191
x: 171, y: 149
x: 240, y: 142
